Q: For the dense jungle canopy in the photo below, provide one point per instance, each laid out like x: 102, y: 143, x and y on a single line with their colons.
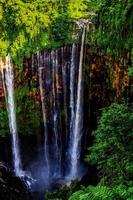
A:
x: 29, y: 28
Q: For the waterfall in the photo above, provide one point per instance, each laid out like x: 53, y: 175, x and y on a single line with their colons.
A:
x: 65, y: 83
x: 54, y: 59
x: 77, y: 116
x: 8, y: 85
x: 42, y: 93
x: 61, y: 92
x: 60, y: 80
x: 72, y: 88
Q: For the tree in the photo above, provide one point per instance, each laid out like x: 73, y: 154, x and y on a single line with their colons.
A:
x: 29, y: 26
x: 112, y: 148
x: 114, y: 25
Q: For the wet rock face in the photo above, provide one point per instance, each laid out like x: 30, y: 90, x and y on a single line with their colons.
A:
x: 11, y: 187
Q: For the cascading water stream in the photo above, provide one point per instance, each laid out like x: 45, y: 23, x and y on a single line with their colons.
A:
x: 8, y: 85
x: 72, y: 88
x: 46, y: 150
x: 61, y: 95
x: 64, y: 83
x: 57, y: 152
x: 75, y: 148
x: 61, y: 91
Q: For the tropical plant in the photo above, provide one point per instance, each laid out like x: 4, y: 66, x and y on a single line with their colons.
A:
x: 112, y: 148
x: 64, y: 192
x: 29, y: 116
x: 4, y: 128
x: 113, y: 26
x: 93, y: 193
x: 29, y: 26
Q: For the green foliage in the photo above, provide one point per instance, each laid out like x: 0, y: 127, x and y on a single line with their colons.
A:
x: 102, y: 192
x: 130, y: 71
x: 4, y: 128
x: 64, y: 192
x: 112, y: 148
x: 114, y: 25
x: 29, y: 116
x: 93, y: 193
x: 29, y: 26
x: 124, y: 192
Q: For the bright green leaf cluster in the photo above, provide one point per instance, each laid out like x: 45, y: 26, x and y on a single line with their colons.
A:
x: 114, y: 25
x: 112, y: 148
x: 28, y: 26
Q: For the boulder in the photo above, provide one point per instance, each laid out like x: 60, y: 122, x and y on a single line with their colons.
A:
x: 11, y: 186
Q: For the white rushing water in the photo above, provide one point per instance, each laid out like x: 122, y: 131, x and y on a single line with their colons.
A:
x: 72, y: 88
x: 57, y: 152
x: 77, y: 116
x: 65, y: 83
x: 61, y: 91
x: 41, y: 84
x: 8, y: 85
